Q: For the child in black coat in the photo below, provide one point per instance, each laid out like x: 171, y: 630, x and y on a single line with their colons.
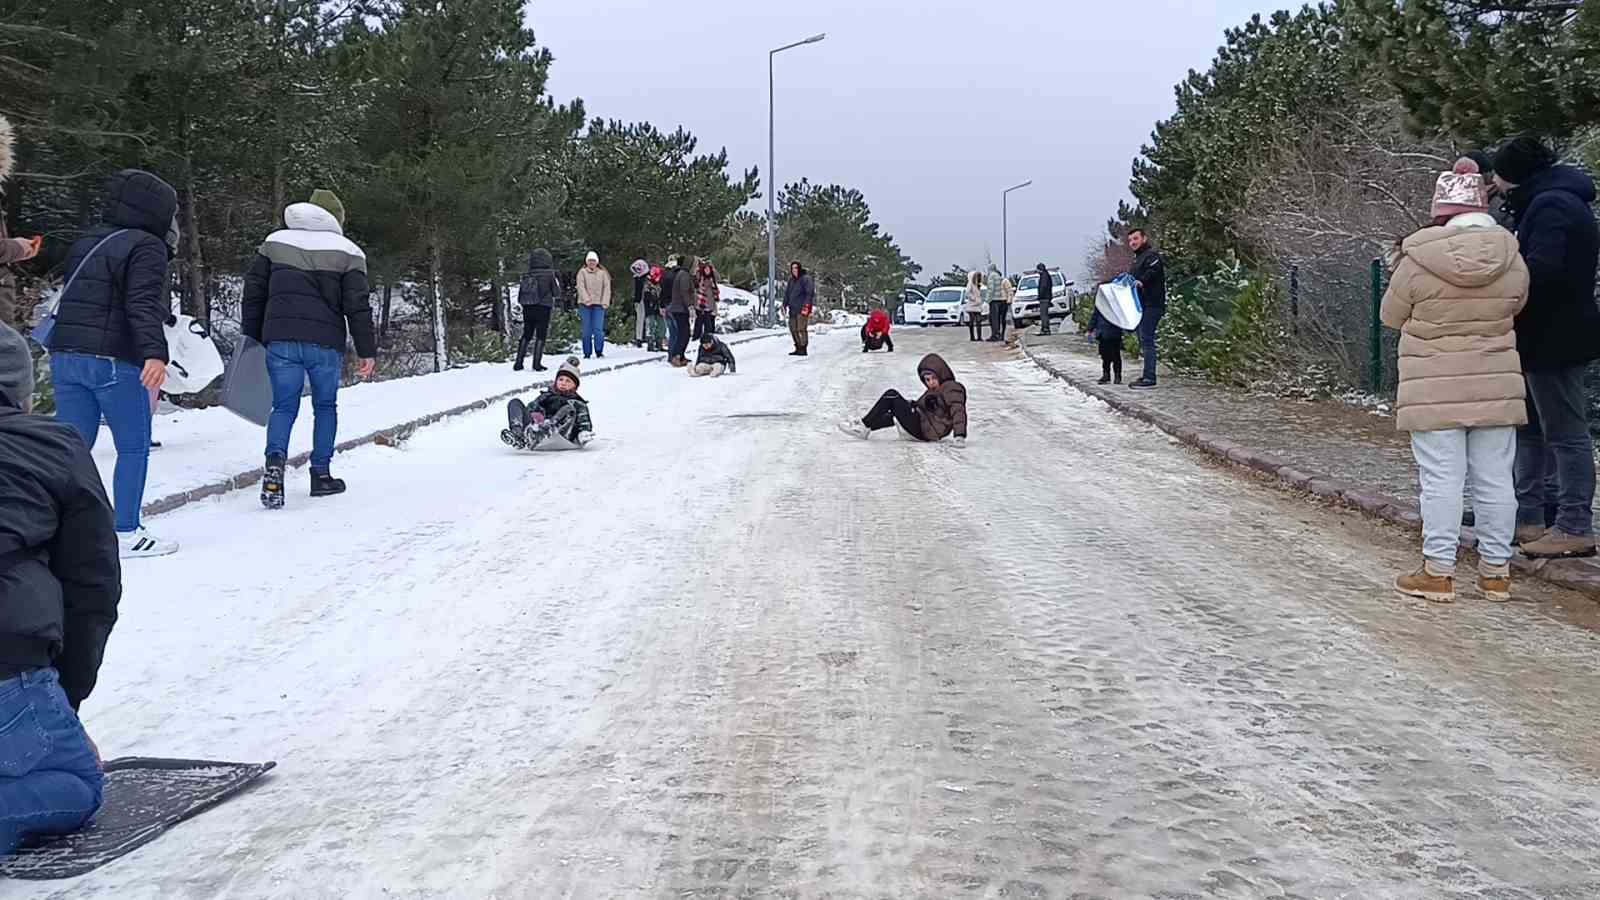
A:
x: 1109, y: 337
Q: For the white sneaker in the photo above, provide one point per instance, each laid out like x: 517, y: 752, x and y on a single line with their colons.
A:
x: 854, y: 428
x: 138, y: 543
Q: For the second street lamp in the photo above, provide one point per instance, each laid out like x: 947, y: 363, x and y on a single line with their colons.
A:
x: 772, y: 183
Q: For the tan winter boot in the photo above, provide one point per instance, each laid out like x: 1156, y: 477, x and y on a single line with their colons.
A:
x: 1557, y: 544
x: 1494, y: 581
x: 1527, y: 534
x: 1427, y: 583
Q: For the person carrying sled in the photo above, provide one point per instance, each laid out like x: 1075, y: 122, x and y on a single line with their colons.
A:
x: 940, y: 411
x: 1109, y: 339
x: 714, y: 360
x: 875, y: 334
x: 557, y: 412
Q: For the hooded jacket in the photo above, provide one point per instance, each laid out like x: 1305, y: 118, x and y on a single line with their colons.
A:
x: 799, y: 293
x: 972, y: 297
x: 1560, y: 326
x: 539, y: 286
x: 60, y: 580
x: 1453, y: 298
x: 878, y: 322
x: 120, y: 301
x: 594, y: 288
x: 307, y: 283
x: 9, y: 251
x: 943, y: 409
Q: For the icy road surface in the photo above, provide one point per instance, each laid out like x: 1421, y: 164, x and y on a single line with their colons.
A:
x: 728, y: 651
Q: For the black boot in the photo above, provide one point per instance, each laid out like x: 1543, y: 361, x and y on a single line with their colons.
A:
x: 1116, y: 372
x: 272, y: 483
x: 516, y: 424
x: 1105, y: 373
x: 538, y: 355
x: 324, y: 484
x: 522, y: 350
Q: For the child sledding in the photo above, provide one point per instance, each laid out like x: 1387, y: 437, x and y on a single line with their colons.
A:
x: 715, y: 358
x: 557, y: 420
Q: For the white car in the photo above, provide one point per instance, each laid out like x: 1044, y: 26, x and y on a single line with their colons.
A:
x: 1025, y: 305
x: 942, y: 306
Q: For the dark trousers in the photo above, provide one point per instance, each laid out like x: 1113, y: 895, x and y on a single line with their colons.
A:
x: 875, y: 341
x: 975, y: 325
x: 704, y: 323
x: 680, y: 334
x: 1111, y: 358
x: 1555, y: 456
x: 799, y: 325
x: 535, y: 327
x: 997, y: 320
x: 1147, y: 339
x: 892, y: 408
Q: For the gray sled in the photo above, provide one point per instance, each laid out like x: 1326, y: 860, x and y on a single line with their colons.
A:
x: 143, y: 798
x: 533, y: 438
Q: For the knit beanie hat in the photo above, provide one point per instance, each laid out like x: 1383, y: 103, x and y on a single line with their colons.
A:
x: 16, y: 369
x: 570, y: 369
x: 329, y: 201
x: 639, y: 268
x: 593, y: 257
x: 1460, y: 191
x: 1522, y: 158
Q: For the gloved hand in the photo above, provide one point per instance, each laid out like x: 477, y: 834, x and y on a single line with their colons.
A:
x: 805, y: 310
x: 584, y: 437
x: 959, y: 441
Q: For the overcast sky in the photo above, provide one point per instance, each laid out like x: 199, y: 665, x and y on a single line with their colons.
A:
x: 931, y: 109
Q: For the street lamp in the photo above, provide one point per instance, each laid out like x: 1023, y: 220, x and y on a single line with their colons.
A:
x: 1005, y: 227
x: 772, y: 184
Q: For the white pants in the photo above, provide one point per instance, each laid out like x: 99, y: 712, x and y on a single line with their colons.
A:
x: 1444, y: 458
x: 712, y: 369
x: 638, y: 323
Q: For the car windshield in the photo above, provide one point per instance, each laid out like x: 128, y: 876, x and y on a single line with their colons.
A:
x: 1029, y: 283
x: 945, y: 295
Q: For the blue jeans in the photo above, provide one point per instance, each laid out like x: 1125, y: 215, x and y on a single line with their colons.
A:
x: 89, y: 387
x: 289, y: 364
x: 50, y: 780
x: 593, y: 319
x: 1147, y: 339
x: 1556, y: 442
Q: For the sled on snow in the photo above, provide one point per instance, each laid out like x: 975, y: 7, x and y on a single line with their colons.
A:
x: 537, y: 435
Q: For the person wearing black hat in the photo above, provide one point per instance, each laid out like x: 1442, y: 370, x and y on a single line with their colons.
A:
x: 1047, y: 294
x: 1558, y: 334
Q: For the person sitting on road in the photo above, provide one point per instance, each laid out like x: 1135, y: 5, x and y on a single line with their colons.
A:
x: 940, y: 411
x: 558, y: 411
x: 715, y: 358
x: 875, y: 334
x: 60, y: 582
x: 1109, y: 339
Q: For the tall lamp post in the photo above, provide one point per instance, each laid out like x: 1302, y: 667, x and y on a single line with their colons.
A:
x: 1005, y: 227
x: 772, y: 184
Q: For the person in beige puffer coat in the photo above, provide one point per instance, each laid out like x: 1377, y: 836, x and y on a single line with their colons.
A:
x: 1453, y: 296
x: 594, y: 298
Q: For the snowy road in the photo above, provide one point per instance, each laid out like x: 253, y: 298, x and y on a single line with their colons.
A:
x: 729, y: 652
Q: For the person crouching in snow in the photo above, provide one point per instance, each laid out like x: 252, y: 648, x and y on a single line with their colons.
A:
x: 558, y: 411
x: 715, y: 358
x: 1453, y: 298
x: 940, y: 411
x: 1109, y: 339
x: 875, y: 334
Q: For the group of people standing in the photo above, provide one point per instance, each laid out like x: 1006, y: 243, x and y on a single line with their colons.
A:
x: 1495, y: 304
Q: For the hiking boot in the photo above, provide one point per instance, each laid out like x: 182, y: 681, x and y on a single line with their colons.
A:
x: 1557, y: 544
x: 1527, y: 534
x: 1104, y: 379
x: 1494, y: 582
x: 1427, y: 583
x: 855, y: 429
x: 272, y: 483
x: 325, y: 485
x: 1142, y: 384
x: 139, y: 544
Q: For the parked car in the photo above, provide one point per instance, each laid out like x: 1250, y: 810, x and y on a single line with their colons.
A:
x: 942, y: 306
x: 908, y: 298
x: 1025, y: 305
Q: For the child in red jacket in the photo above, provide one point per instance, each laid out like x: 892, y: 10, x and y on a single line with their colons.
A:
x: 875, y: 334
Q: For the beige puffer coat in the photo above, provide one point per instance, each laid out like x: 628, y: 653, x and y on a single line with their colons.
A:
x: 1453, y: 298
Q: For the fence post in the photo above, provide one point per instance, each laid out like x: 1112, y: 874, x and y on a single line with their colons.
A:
x: 1375, y: 343
x: 1294, y: 299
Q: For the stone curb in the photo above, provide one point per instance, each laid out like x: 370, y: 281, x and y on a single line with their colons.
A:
x: 1581, y: 575
x: 389, y: 436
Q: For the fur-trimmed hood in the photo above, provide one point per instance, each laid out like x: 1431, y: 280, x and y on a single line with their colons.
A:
x: 8, y: 141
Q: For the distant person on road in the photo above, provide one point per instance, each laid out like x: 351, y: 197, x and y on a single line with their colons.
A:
x: 1150, y: 273
x: 972, y: 305
x: 60, y: 582
x: 715, y: 358
x: 875, y: 334
x: 680, y: 301
x: 1558, y: 334
x: 1047, y: 294
x: 304, y: 296
x: 1108, y: 338
x: 537, y: 294
x: 706, y: 297
x: 1453, y: 297
x: 940, y: 411
x: 1000, y: 308
x: 798, y: 296
x: 109, y: 347
x: 640, y: 270
x: 594, y: 298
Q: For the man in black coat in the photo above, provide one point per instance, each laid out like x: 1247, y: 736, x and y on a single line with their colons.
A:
x: 1151, y: 274
x: 1558, y: 334
x: 1047, y: 294
x: 60, y: 582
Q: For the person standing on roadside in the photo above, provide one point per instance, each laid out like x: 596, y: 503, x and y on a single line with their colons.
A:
x: 60, y: 582
x: 536, y: 294
x: 1047, y: 296
x: 640, y: 270
x: 798, y: 296
x: 109, y: 346
x: 1558, y: 334
x: 678, y: 292
x: 972, y: 306
x: 706, y: 297
x: 12, y: 250
x: 304, y: 296
x: 594, y: 298
x: 1454, y: 293
x: 1150, y: 273
x: 999, y: 309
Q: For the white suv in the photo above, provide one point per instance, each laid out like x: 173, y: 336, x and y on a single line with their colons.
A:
x: 1025, y: 305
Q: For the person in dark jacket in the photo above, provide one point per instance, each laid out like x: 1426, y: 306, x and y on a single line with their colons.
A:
x: 799, y: 295
x: 1558, y: 334
x: 558, y: 410
x: 537, y: 295
x: 714, y: 359
x: 1108, y: 338
x: 680, y: 300
x: 1047, y: 294
x: 1151, y: 274
x: 305, y: 291
x: 940, y: 411
x: 60, y: 581
x: 109, y: 348
x: 654, y: 314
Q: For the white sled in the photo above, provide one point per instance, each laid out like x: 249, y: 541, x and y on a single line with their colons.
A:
x: 1118, y: 303
x: 193, y: 359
